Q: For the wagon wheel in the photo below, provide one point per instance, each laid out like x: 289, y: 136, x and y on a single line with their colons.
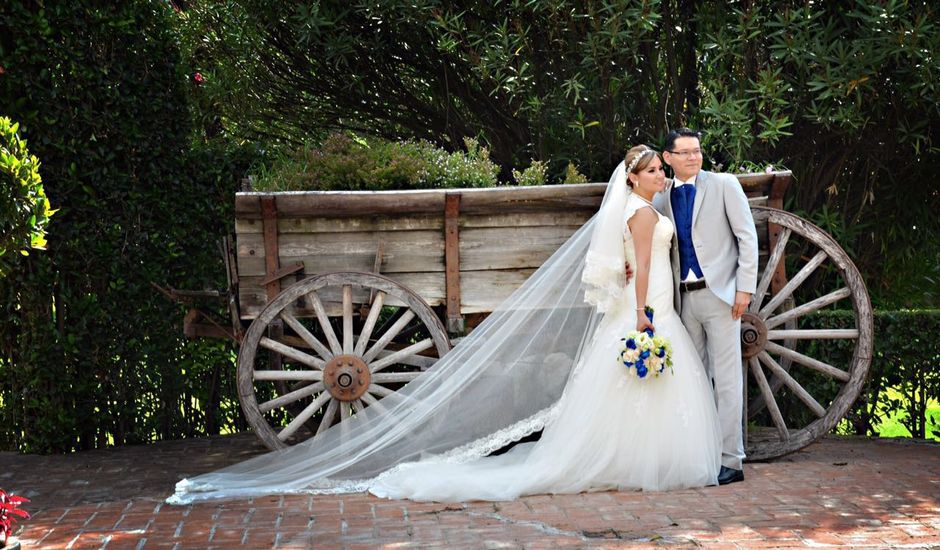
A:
x: 779, y: 355
x: 333, y: 359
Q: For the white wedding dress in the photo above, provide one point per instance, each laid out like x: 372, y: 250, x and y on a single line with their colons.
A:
x: 610, y: 430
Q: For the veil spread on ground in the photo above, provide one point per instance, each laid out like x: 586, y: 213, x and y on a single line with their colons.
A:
x: 497, y: 385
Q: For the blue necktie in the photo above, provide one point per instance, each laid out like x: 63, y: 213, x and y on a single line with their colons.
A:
x: 683, y: 192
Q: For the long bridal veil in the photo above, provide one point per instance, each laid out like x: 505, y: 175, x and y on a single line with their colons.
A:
x: 496, y: 386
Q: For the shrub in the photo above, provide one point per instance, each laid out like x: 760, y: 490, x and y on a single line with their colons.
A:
x: 572, y: 175
x: 905, y: 362
x: 24, y: 208
x: 345, y: 163
x: 533, y: 175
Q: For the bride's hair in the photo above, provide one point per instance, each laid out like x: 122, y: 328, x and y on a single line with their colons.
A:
x: 638, y: 158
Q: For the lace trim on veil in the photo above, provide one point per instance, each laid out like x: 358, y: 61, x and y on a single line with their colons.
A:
x: 604, y: 280
x: 459, y: 455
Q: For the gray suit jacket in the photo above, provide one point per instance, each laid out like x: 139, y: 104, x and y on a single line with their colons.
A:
x: 723, y: 232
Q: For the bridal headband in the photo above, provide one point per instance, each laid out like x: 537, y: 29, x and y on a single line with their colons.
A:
x: 637, y: 158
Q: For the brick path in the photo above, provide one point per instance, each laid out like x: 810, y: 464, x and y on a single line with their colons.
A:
x: 838, y: 492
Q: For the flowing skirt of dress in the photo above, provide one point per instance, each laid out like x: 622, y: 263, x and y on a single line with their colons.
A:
x: 610, y: 430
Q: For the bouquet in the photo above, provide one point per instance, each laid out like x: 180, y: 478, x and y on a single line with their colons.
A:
x: 644, y: 353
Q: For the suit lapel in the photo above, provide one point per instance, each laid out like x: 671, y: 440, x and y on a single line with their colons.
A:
x: 701, y: 187
x: 668, y: 192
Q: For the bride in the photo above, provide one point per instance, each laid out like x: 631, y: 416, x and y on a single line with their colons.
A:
x: 543, y: 360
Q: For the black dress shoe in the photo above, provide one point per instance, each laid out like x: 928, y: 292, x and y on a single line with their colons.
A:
x: 729, y: 475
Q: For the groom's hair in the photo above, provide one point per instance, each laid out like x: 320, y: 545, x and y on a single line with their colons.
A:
x: 672, y: 136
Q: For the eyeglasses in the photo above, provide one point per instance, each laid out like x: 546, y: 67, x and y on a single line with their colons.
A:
x: 687, y: 154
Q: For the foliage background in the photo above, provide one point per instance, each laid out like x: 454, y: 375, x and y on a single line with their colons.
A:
x: 146, y: 113
x: 90, y: 353
x: 845, y: 95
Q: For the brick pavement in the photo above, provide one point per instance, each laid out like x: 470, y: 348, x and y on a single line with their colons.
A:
x: 838, y: 492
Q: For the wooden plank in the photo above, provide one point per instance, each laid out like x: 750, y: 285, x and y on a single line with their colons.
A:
x: 528, y: 199
x: 430, y: 286
x: 510, y: 247
x: 483, y: 291
x: 491, y: 199
x: 404, y: 251
x: 756, y: 184
x: 427, y: 222
x: 314, y: 244
x: 370, y: 203
x: 777, y: 189
x: 573, y: 217
x: 269, y: 246
x: 322, y: 224
x: 452, y: 262
x: 344, y: 203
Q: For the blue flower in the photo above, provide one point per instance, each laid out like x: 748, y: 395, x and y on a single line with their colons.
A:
x: 644, y: 354
x: 631, y: 344
x: 661, y: 352
x: 641, y: 370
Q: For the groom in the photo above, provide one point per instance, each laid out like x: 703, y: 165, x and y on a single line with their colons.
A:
x: 714, y: 258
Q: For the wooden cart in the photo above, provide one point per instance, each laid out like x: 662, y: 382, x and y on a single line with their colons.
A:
x: 340, y: 298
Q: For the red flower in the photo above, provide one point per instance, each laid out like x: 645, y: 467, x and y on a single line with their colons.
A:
x: 198, y: 78
x: 9, y: 511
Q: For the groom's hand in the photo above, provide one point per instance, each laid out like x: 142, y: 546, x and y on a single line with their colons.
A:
x: 741, y: 301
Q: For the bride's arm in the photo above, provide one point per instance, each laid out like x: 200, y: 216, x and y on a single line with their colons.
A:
x: 641, y: 227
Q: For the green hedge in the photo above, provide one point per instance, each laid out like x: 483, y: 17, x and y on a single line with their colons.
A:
x: 90, y: 353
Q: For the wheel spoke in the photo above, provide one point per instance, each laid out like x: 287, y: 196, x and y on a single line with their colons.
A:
x: 328, y: 416
x: 387, y: 337
x: 357, y: 406
x: 304, y: 416
x: 314, y: 300
x: 791, y: 383
x: 422, y: 361
x: 305, y: 391
x: 769, y: 399
x: 795, y: 282
x: 344, y: 421
x: 373, y: 402
x: 306, y: 335
x: 808, y: 307
x: 291, y: 353
x: 288, y: 375
x: 367, y: 328
x: 381, y: 391
x: 389, y: 377
x: 769, y: 269
x: 814, y: 364
x: 393, y: 358
x: 820, y: 334
x: 347, y: 319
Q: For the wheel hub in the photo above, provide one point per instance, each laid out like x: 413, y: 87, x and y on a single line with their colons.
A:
x: 346, y: 377
x: 753, y: 335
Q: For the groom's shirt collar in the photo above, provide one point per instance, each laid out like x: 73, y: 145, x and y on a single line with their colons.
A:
x: 679, y: 183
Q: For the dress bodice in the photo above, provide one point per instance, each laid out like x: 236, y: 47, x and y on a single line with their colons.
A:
x: 660, y: 291
x: 662, y: 232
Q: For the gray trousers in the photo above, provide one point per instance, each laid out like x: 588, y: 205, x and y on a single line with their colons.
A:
x: 717, y: 339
